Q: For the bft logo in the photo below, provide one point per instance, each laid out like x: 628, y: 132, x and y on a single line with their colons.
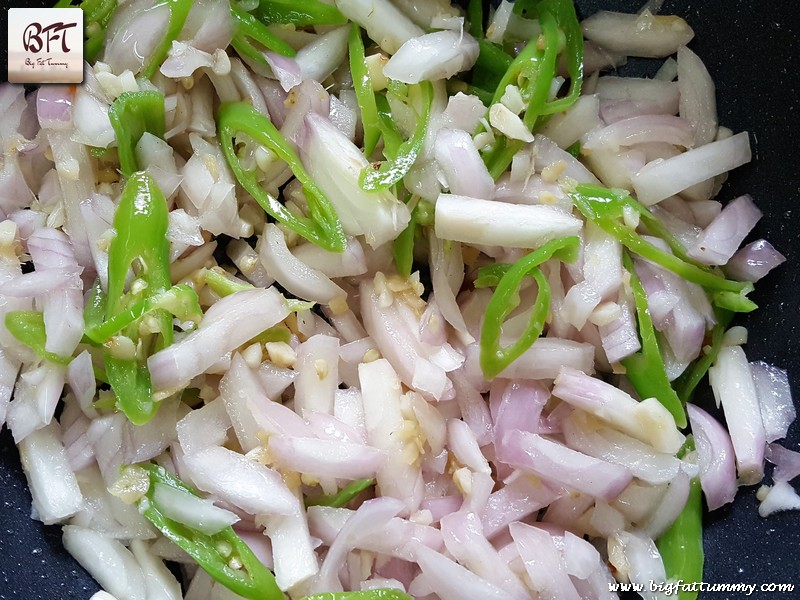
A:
x: 45, y: 45
x: 32, y: 36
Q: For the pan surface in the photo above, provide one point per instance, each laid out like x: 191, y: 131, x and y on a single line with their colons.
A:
x: 750, y: 48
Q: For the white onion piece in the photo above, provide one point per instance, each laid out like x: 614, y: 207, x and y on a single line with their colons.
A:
x: 240, y: 481
x: 52, y: 483
x: 463, y: 111
x: 780, y: 496
x: 395, y: 330
x: 292, y: 551
x: 451, y: 581
x: 140, y: 25
x: 787, y: 462
x: 196, y: 513
x: 640, y: 562
x: 447, y: 275
x: 732, y: 383
x: 620, y: 338
x: 209, y: 185
x: 715, y: 457
x: 433, y: 56
x: 617, y: 448
x: 462, y: 165
x: 644, y: 96
x: 226, y: 325
x: 209, y: 25
x: 183, y: 60
x: 247, y: 261
x: 343, y: 113
x: 35, y: 399
x: 90, y: 117
x: 754, y: 261
x: 543, y: 562
x: 109, y: 562
x: 475, y: 221
x: 720, y: 240
x: 317, y: 365
x: 519, y: 498
x: 644, y: 34
x: 698, y: 103
x: 638, y: 130
x: 774, y: 399
x: 285, y: 68
x: 350, y: 263
x: 275, y: 379
x: 63, y: 310
x: 141, y: 443
x: 602, y: 276
x: 381, y: 389
x: 238, y: 389
x: 370, y: 518
x: 562, y: 465
x: 428, y: 14
x: 548, y: 154
x: 544, y: 359
x: 8, y: 376
x: 508, y: 123
x: 517, y: 404
x: 323, y: 56
x: 568, y: 127
x: 661, y: 179
x: 204, y: 427
x: 463, y: 537
x: 160, y: 583
x: 157, y: 157
x: 326, y: 458
x: 14, y: 191
x: 335, y: 164
x: 648, y: 421
x: 384, y: 23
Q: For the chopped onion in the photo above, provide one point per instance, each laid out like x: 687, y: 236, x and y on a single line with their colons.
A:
x: 433, y: 56
x: 645, y: 34
x: 715, y: 456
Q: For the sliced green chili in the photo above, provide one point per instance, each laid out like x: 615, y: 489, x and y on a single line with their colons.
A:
x: 403, y: 248
x: 494, y: 358
x: 491, y: 64
x: 362, y: 83
x: 391, y: 171
x: 379, y: 594
x: 645, y: 369
x: 179, y: 300
x: 141, y: 226
x: 605, y: 208
x: 224, y: 555
x: 681, y: 546
x: 533, y: 70
x: 28, y: 327
x: 132, y: 114
x: 222, y: 285
x: 343, y: 496
x: 392, y: 140
x: 323, y: 228
x: 564, y: 13
x: 475, y: 18
x: 178, y: 11
x: 95, y: 311
x: 249, y: 29
x: 299, y: 12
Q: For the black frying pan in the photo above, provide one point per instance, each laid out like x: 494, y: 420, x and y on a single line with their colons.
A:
x: 750, y: 50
